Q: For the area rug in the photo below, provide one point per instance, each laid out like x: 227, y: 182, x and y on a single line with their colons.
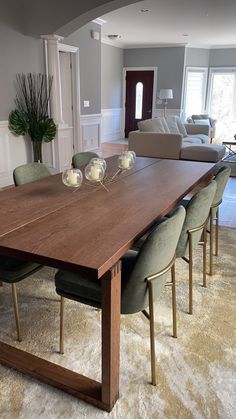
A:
x: 196, y: 373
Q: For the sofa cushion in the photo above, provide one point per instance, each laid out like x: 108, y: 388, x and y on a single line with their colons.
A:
x: 202, y: 152
x: 164, y: 123
x: 151, y: 125
x: 172, y: 124
x: 191, y: 140
x: 181, y: 126
x: 202, y: 121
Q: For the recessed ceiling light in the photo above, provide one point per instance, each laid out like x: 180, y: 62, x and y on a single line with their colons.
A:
x: 144, y: 10
x: 185, y: 34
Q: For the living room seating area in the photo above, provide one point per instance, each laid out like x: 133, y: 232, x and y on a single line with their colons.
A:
x: 168, y: 137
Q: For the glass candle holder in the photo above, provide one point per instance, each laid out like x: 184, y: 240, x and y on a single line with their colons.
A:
x: 72, y: 178
x: 98, y: 161
x: 94, y: 172
x: 132, y: 153
x: 126, y: 160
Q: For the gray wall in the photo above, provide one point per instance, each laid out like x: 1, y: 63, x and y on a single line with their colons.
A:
x: 197, y: 57
x: 223, y: 57
x: 111, y: 77
x: 90, y: 66
x: 170, y: 62
x: 19, y: 54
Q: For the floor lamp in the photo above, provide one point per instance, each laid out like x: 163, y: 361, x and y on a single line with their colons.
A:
x: 166, y: 94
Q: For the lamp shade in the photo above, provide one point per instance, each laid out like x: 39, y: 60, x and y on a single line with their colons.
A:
x: 166, y: 94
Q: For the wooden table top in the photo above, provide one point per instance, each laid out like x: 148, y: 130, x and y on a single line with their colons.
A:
x: 90, y: 229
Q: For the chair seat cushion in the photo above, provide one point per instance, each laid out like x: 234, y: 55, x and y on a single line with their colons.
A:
x: 88, y: 291
x: 14, y: 270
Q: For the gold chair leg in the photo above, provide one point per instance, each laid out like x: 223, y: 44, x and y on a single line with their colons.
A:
x: 190, y: 310
x: 174, y: 301
x: 204, y: 256
x: 16, y: 310
x: 152, y: 337
x: 211, y: 242
x: 62, y: 304
x: 217, y: 232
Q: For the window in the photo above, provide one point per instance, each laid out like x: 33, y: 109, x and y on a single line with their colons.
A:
x: 195, y: 90
x: 139, y: 100
x: 222, y: 101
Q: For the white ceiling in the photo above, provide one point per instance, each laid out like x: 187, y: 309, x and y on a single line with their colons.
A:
x: 208, y: 23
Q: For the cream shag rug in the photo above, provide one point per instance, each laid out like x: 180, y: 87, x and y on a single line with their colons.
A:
x: 196, y: 373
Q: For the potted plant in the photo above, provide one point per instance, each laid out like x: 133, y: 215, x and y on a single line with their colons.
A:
x: 31, y: 113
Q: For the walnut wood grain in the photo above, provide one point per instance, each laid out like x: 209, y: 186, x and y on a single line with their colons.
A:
x: 69, y: 381
x: 24, y: 204
x: 93, y: 232
x: 111, y: 292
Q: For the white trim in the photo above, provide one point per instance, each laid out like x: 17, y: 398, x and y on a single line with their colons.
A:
x: 196, y: 70
x: 116, y: 44
x: 130, y: 46
x: 67, y: 48
x: 169, y: 112
x: 215, y: 70
x: 111, y: 125
x: 154, y: 95
x: 90, y: 127
x: 4, y: 124
x: 90, y: 117
x: 99, y: 21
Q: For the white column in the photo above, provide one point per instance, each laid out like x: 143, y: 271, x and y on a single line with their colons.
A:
x: 54, y: 151
x: 53, y: 69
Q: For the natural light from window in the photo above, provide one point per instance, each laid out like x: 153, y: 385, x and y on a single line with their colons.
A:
x: 139, y: 100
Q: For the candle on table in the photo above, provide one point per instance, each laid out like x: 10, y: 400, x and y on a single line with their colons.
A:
x: 95, y: 172
x: 125, y: 162
x: 72, y: 177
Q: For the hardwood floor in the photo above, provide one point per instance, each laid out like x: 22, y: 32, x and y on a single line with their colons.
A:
x: 228, y: 206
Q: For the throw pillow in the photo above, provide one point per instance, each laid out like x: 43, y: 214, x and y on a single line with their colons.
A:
x: 151, y: 125
x: 181, y: 127
x: 164, y: 123
x: 172, y: 124
x: 202, y: 122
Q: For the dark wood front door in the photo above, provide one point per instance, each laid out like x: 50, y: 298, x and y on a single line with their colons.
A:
x: 139, y: 94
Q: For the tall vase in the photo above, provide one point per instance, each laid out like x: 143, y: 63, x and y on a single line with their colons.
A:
x: 37, y: 150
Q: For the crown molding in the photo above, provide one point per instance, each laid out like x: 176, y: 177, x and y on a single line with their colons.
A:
x: 116, y: 44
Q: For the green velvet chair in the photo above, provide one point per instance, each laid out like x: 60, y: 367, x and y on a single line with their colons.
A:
x: 143, y: 276
x: 80, y: 159
x: 30, y: 172
x: 12, y: 271
x: 221, y: 179
x: 194, y: 228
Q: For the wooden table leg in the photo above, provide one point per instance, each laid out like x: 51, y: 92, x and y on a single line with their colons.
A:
x: 111, y: 292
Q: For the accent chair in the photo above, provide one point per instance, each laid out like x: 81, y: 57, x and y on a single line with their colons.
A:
x: 143, y: 276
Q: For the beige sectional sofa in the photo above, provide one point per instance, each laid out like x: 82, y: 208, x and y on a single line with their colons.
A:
x: 170, y: 138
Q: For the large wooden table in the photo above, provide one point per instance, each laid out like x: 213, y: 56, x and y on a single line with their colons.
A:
x: 88, y: 231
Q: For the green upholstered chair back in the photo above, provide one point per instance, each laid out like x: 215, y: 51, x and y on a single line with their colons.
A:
x: 82, y: 158
x: 156, y: 253
x: 197, y: 212
x: 221, y: 179
x: 30, y: 172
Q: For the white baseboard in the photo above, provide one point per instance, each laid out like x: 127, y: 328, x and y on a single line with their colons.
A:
x: 111, y: 126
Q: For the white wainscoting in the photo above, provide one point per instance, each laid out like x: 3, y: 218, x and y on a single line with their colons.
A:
x: 169, y: 112
x: 14, y: 151
x: 111, y: 127
x: 90, y: 131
